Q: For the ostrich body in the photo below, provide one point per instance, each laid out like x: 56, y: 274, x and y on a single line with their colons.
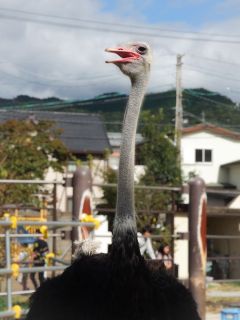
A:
x: 118, y: 285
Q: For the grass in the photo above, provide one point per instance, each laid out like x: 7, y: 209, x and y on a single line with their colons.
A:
x: 2, y: 303
x: 231, y: 286
x: 20, y: 300
x: 216, y: 304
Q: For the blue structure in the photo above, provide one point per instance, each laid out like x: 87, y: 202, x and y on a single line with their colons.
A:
x: 230, y: 314
x: 24, y: 240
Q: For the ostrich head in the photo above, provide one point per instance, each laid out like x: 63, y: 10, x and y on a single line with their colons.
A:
x: 135, y: 58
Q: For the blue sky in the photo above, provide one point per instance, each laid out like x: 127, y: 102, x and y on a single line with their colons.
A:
x: 193, y: 13
x: 68, y: 58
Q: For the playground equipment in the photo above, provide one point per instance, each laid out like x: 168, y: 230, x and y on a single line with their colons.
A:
x: 19, y: 228
x: 24, y: 232
x: 12, y: 269
x: 83, y: 218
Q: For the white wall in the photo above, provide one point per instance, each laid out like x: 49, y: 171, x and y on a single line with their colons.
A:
x: 52, y: 175
x: 224, y: 150
x: 65, y: 192
x: 234, y: 175
x: 181, y: 246
x: 102, y: 235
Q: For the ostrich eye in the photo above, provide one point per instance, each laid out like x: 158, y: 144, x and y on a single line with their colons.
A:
x: 142, y: 50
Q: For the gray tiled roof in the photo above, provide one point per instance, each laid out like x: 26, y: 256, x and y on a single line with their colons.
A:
x: 82, y: 133
x: 115, y: 139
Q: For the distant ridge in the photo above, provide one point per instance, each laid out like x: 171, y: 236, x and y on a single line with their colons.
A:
x: 199, y: 105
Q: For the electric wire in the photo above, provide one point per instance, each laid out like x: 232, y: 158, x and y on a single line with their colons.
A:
x: 213, y: 60
x: 218, y: 103
x: 40, y: 14
x: 195, y: 69
x: 102, y: 29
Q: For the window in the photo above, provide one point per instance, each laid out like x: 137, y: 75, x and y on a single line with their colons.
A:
x: 69, y: 205
x: 208, y: 155
x: 71, y: 166
x: 199, y: 155
x: 203, y: 155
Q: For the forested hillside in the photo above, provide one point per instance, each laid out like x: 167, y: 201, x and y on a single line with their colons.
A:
x: 198, y: 105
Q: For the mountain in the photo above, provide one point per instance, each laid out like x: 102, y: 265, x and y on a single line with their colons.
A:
x: 24, y: 100
x: 198, y: 105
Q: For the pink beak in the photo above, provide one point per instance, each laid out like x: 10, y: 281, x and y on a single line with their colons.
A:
x: 126, y: 55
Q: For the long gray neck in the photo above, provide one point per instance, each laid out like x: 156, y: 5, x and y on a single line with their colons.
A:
x: 125, y: 210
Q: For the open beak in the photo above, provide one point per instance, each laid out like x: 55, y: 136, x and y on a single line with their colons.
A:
x: 125, y: 54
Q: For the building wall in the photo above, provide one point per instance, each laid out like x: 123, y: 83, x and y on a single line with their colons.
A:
x: 181, y: 246
x: 234, y: 175
x: 228, y: 247
x: 64, y: 193
x: 224, y: 150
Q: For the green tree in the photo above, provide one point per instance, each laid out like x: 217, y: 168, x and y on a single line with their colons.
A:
x: 27, y: 149
x: 158, y: 153
x: 159, y: 156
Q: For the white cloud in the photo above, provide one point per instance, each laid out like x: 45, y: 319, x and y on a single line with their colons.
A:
x: 230, y: 5
x: 45, y: 60
x: 180, y: 3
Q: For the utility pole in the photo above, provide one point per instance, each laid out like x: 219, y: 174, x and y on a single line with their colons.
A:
x: 179, y: 111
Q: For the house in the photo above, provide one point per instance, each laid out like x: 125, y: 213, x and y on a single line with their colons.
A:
x: 83, y: 134
x: 213, y: 153
x: 115, y: 142
x: 205, y: 151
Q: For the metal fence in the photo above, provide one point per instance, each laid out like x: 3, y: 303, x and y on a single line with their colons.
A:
x: 81, y: 182
x: 15, y: 311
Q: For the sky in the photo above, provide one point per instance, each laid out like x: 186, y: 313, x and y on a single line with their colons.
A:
x: 56, y: 48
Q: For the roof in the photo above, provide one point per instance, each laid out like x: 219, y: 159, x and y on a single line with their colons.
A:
x: 82, y: 133
x: 230, y: 164
x: 115, y: 139
x: 212, y: 129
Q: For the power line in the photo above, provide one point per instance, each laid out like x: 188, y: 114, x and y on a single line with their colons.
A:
x: 195, y: 94
x: 195, y: 69
x: 128, y: 32
x: 187, y: 113
x: 214, y: 60
x: 162, y: 86
x: 38, y: 14
x: 83, y: 122
x: 69, y: 103
x: 66, y: 85
x: 208, y: 70
x: 115, y: 24
x: 92, y: 77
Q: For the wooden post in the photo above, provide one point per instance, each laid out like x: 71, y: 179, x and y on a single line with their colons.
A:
x: 197, y: 243
x: 55, y: 218
x: 82, y: 185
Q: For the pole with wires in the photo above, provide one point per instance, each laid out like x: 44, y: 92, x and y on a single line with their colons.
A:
x: 179, y: 111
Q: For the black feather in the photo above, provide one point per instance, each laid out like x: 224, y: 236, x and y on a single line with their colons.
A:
x: 95, y: 288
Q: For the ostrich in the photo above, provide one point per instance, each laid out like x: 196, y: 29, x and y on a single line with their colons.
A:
x: 118, y: 285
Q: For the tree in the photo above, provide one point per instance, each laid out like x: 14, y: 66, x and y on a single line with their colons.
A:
x: 159, y: 156
x: 27, y: 149
x: 158, y: 152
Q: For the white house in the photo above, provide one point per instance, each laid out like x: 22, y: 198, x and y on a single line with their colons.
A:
x: 212, y: 153
x: 83, y: 134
